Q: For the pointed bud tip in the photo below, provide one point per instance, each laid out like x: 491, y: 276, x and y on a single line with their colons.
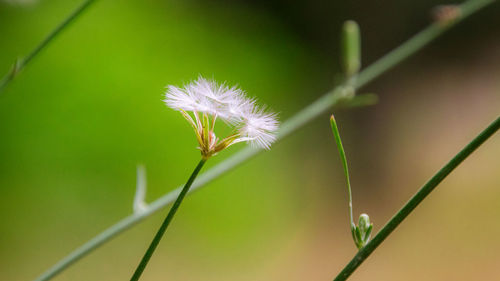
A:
x: 364, y: 218
x: 351, y: 25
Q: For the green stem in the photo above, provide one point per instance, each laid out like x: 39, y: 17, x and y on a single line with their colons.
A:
x: 340, y: 147
x: 166, y: 222
x: 307, y: 114
x: 417, y: 199
x: 20, y: 64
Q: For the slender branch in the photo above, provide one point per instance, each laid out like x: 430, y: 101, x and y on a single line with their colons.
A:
x: 20, y: 64
x: 340, y: 148
x: 166, y: 222
x: 417, y: 199
x: 307, y: 114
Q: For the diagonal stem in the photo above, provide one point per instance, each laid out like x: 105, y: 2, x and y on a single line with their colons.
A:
x: 166, y: 222
x: 417, y: 199
x: 21, y: 63
x: 307, y: 114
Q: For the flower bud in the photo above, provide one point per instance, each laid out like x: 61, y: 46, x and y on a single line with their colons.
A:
x: 446, y: 14
x: 364, y: 223
x: 351, y: 48
x: 362, y: 232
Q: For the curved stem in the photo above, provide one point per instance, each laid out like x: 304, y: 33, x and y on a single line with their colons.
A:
x: 21, y: 63
x: 156, y: 240
x: 417, y: 199
x: 307, y: 114
x: 340, y: 147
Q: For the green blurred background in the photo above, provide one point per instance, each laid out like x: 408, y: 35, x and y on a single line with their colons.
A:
x: 77, y: 121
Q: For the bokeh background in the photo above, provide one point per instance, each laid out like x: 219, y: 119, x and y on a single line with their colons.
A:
x: 77, y: 121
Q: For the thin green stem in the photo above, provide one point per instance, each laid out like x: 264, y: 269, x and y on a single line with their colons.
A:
x: 166, y: 222
x: 304, y: 116
x: 417, y: 199
x: 20, y: 64
x: 340, y: 147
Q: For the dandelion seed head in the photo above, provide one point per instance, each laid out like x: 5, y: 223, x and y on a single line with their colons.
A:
x: 230, y: 104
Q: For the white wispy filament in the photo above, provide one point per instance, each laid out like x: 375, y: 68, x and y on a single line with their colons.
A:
x: 202, y: 101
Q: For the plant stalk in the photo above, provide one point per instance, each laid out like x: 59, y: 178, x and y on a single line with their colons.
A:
x: 156, y: 240
x: 416, y: 200
x: 340, y: 148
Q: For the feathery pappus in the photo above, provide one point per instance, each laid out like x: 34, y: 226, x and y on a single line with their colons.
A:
x: 203, y: 101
